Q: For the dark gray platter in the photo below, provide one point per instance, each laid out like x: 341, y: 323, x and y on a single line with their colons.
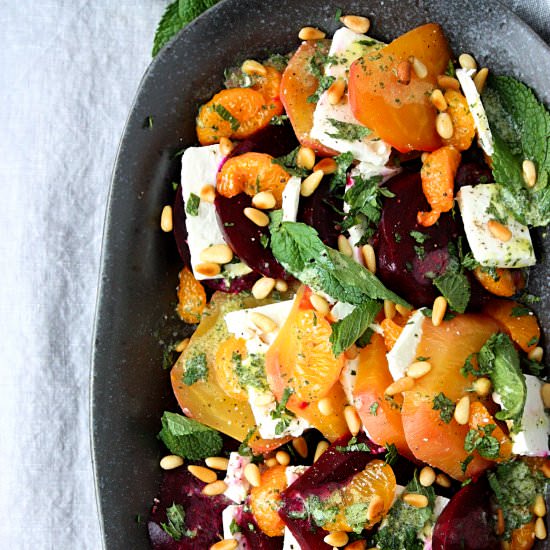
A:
x: 130, y: 389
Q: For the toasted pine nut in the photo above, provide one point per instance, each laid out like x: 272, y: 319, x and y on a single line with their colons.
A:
x: 540, y: 529
x: 311, y: 33
x: 336, y: 91
x: 257, y: 216
x: 402, y: 310
x: 337, y: 539
x: 480, y: 79
x: 389, y: 309
x: 207, y: 193
x: 208, y: 269
x: 300, y: 446
x: 352, y: 352
x: 344, y: 247
x: 202, y: 473
x: 404, y: 69
x: 181, y: 345
x: 443, y: 480
x: 169, y: 462
x: 322, y: 446
x: 466, y: 61
x: 217, y: 462
x: 251, y: 66
x: 356, y: 23
x: 226, y: 146
x: 448, y: 82
x: 500, y: 522
x: 352, y: 419
x: 270, y: 462
x: 305, y: 158
x: 539, y: 507
x: 403, y: 384
x: 281, y: 285
x: 215, y: 488
x: 327, y: 165
x: 416, y: 499
x: 283, y: 458
x: 545, y: 394
x: 438, y: 310
x: 482, y: 386
x: 311, y: 183
x: 370, y: 257
x: 166, y: 221
x: 225, y: 544
x: 420, y: 70
x: 462, y: 411
x: 264, y: 200
x: 444, y: 125
x: 418, y: 369
x: 438, y: 101
x: 252, y: 474
x: 529, y: 171
x: 325, y: 406
x: 536, y: 354
x: 499, y: 231
x: 376, y: 507
x: 319, y: 304
x: 263, y: 322
x: 263, y: 287
x: 217, y: 253
x: 426, y: 476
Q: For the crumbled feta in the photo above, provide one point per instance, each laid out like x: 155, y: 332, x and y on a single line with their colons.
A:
x: 474, y: 203
x: 237, y: 485
x: 291, y: 199
x: 289, y: 541
x: 292, y: 473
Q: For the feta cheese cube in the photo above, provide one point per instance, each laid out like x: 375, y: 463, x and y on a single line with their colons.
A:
x: 289, y: 541
x: 474, y: 203
x: 291, y: 199
x: 237, y: 485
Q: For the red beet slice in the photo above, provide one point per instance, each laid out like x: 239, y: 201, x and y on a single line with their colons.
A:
x: 465, y: 523
x: 202, y: 513
x: 472, y: 173
x: 273, y: 140
x: 253, y: 536
x: 234, y: 286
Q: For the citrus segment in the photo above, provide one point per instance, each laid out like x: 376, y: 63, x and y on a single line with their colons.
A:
x: 265, y: 501
x: 191, y: 297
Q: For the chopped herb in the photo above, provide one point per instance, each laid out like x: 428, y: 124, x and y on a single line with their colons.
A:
x: 320, y: 511
x: 348, y: 131
x: 374, y: 408
x: 264, y: 240
x: 422, y: 358
x: 532, y: 341
x: 465, y: 462
x: 288, y: 162
x: 520, y: 311
x: 483, y: 442
x: 445, y: 407
x: 397, y: 237
x: 343, y: 162
x: 226, y: 115
x: 278, y: 61
x: 456, y: 289
x: 234, y: 527
x: 175, y: 185
x: 391, y: 454
x: 196, y: 369
x: 419, y: 237
x: 192, y: 206
x: 337, y: 15
x: 278, y: 120
x: 148, y: 122
x: 450, y: 70
x: 282, y: 414
x: 353, y: 446
x: 356, y: 516
x: 529, y: 299
x: 250, y: 372
x: 175, y: 527
x: 419, y: 251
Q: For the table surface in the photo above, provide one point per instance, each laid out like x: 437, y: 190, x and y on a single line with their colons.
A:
x: 68, y: 74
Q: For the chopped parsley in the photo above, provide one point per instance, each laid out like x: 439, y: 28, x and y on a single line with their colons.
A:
x: 250, y: 372
x: 419, y: 237
x: 445, y: 407
x: 175, y: 527
x: 226, y: 115
x: 192, y: 206
x: 483, y: 442
x: 278, y: 120
x: 348, y: 131
x: 391, y: 454
x: 282, y: 414
x: 353, y: 446
x: 196, y: 369
x: 373, y: 409
x: 356, y: 516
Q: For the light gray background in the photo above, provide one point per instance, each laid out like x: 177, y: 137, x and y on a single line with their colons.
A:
x: 68, y: 73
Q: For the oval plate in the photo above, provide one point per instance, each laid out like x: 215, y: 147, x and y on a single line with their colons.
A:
x: 130, y: 390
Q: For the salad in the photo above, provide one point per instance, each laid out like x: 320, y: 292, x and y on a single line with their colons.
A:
x: 365, y: 371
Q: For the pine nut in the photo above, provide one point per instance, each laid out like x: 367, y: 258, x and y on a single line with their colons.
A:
x: 337, y: 539
x: 226, y: 146
x: 344, y: 247
x: 263, y: 287
x: 448, y: 82
x: 539, y: 507
x: 466, y: 61
x: 424, y: 156
x: 529, y: 171
x: 322, y: 446
x: 336, y: 90
x: 311, y: 183
x: 482, y: 386
x: 438, y: 310
x: 545, y: 394
x: 438, y: 101
x: 416, y: 500
x: 251, y: 66
x: 166, y: 221
x: 480, y: 79
x: 444, y: 125
x: 283, y: 458
x: 535, y: 354
x: 202, y: 473
x: 418, y: 369
x: 402, y: 310
x: 499, y: 231
x: 403, y: 384
x: 358, y: 545
x: 263, y: 322
x: 325, y: 406
x: 217, y: 253
x: 376, y: 508
x: 217, y: 462
x: 257, y: 216
x: 352, y: 419
x: 264, y: 200
x: 270, y: 462
x: 169, y: 462
x: 427, y: 476
x: 545, y: 468
x: 225, y: 544
x: 540, y: 529
x: 281, y: 285
x: 311, y: 33
x: 208, y: 269
x: 404, y: 70
x: 207, y: 193
x: 443, y: 480
x: 252, y: 474
x: 305, y: 158
x: 319, y: 304
x: 327, y: 165
x: 300, y: 446
x: 389, y: 309
x: 181, y: 345
x: 352, y: 352
x: 356, y: 23
x: 370, y: 257
x: 500, y: 522
x: 462, y: 411
x: 420, y: 70
x: 215, y: 488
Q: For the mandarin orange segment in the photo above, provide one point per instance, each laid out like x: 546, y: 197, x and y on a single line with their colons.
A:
x: 480, y: 417
x: 391, y: 332
x: 251, y: 173
x: 265, y: 501
x: 501, y: 285
x: 230, y: 352
x: 191, y: 297
x: 463, y: 121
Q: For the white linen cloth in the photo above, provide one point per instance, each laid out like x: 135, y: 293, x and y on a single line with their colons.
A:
x: 69, y: 70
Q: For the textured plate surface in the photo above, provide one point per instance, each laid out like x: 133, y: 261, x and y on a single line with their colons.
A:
x: 140, y: 264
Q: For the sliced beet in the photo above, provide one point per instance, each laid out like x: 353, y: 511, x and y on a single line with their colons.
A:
x: 180, y: 229
x: 234, y: 286
x: 273, y: 140
x: 202, y: 513
x: 253, y: 536
x: 466, y: 522
x: 472, y: 173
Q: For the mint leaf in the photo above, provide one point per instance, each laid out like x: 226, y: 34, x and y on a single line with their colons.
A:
x: 188, y: 438
x: 192, y: 206
x: 445, y: 407
x: 226, y: 115
x: 346, y: 331
x: 483, y: 442
x: 348, y: 131
x: 456, y: 289
x: 343, y: 162
x: 288, y: 162
x: 176, y: 521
